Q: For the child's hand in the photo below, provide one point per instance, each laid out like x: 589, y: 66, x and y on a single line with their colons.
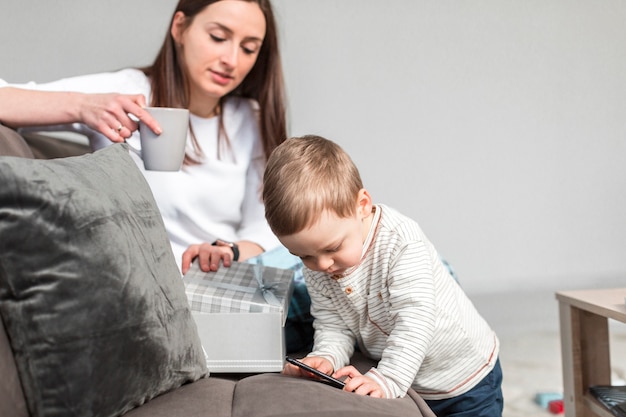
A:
x: 359, y: 383
x: 317, y: 362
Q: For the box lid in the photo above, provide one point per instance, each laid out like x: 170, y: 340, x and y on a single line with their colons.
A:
x: 242, y: 287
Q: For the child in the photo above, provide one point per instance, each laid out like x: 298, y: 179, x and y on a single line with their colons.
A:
x: 376, y: 280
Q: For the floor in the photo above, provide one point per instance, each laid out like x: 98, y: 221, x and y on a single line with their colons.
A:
x: 528, y: 327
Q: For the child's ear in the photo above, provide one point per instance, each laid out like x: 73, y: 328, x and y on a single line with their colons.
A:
x: 364, y: 204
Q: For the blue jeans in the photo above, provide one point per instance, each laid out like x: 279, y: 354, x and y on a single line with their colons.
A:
x: 484, y: 400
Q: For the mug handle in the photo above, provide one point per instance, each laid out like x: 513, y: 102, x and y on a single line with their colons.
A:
x: 133, y: 149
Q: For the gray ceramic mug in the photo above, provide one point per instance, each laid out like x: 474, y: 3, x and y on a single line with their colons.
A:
x: 164, y: 152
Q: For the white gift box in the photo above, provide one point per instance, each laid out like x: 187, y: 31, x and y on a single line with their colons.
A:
x: 240, y: 312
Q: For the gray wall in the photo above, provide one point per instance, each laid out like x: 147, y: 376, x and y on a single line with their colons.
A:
x: 499, y: 125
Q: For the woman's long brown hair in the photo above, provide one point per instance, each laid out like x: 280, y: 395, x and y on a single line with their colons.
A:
x: 264, y: 83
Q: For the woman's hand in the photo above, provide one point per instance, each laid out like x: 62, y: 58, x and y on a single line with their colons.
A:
x: 109, y: 114
x: 105, y: 113
x: 359, y: 383
x: 209, y: 257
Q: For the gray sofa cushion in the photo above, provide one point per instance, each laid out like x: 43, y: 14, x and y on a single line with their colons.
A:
x: 257, y: 396
x: 208, y: 397
x: 90, y: 294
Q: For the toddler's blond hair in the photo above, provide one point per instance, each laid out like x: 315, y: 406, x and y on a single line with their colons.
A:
x: 305, y: 176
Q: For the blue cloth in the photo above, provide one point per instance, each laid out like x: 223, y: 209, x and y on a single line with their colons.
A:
x: 449, y: 268
x: 484, y: 400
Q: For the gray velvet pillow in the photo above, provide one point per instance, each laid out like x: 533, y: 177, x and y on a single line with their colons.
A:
x: 92, y: 300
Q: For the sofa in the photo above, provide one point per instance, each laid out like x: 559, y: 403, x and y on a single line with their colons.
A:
x: 95, y: 321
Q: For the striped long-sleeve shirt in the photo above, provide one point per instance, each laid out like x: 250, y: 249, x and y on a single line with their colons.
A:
x: 403, y: 309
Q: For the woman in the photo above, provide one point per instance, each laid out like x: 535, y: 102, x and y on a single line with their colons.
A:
x: 220, y: 60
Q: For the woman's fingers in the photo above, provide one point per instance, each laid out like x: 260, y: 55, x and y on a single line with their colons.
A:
x: 188, y: 256
x: 209, y: 257
x: 117, y: 116
x: 148, y: 120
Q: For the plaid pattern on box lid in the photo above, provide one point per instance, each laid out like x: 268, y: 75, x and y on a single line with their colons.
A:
x: 242, y: 287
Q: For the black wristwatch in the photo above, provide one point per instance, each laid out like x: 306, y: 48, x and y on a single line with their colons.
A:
x: 232, y: 245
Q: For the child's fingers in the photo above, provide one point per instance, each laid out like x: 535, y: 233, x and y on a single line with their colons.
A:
x: 349, y: 371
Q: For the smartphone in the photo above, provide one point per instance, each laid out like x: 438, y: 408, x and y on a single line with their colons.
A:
x: 327, y: 379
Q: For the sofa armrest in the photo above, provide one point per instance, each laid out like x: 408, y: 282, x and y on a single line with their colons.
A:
x: 12, y: 144
x: 40, y: 146
x: 49, y: 147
